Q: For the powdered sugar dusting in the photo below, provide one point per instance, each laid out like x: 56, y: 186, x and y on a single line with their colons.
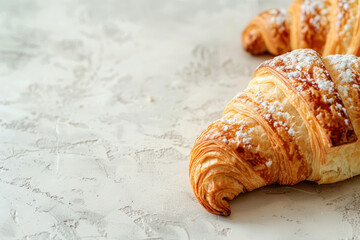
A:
x: 268, y: 163
x: 329, y: 101
x: 279, y: 18
x: 345, y: 66
x: 272, y: 111
x: 295, y: 65
x: 291, y: 132
x: 313, y: 82
x: 232, y: 131
x: 315, y: 11
x: 314, y: 23
x: 325, y: 85
x: 345, y: 18
x: 243, y: 135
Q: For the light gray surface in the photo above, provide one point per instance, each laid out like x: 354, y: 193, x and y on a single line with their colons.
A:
x: 100, y: 103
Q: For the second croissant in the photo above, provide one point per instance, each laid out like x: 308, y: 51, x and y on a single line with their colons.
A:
x: 326, y: 26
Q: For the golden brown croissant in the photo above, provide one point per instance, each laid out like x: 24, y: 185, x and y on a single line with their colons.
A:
x: 327, y: 26
x: 298, y: 120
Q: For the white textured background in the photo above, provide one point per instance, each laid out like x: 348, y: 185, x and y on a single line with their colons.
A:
x: 85, y: 154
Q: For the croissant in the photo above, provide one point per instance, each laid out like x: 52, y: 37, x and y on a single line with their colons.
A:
x: 298, y: 120
x: 326, y: 26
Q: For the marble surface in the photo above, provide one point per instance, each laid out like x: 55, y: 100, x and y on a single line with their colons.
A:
x: 100, y: 103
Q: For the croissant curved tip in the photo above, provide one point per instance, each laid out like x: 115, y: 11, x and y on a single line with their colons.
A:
x: 252, y: 41
x: 214, y: 182
x: 226, y: 212
x: 219, y: 204
x: 219, y: 210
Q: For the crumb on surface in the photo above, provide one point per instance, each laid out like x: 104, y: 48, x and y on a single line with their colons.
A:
x: 150, y: 99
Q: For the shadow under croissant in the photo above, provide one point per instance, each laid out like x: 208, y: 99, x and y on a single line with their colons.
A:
x: 285, y: 201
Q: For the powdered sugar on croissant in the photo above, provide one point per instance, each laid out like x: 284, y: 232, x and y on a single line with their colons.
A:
x: 327, y: 26
x: 298, y: 120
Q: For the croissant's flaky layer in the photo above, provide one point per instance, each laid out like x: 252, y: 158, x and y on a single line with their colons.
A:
x: 298, y: 120
x: 327, y: 26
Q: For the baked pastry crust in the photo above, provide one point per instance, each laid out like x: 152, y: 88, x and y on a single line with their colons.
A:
x: 298, y: 120
x: 326, y: 26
